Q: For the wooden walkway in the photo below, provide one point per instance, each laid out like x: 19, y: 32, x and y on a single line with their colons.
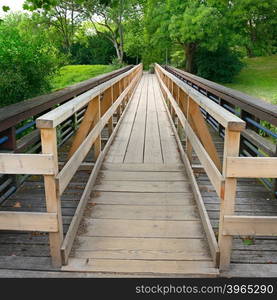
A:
x: 142, y: 219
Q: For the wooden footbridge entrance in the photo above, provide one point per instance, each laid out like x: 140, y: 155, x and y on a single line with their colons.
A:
x: 123, y: 192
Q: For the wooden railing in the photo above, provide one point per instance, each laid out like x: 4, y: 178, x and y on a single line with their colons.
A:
x: 18, y: 133
x: 99, y: 105
x: 260, y: 135
x: 185, y: 103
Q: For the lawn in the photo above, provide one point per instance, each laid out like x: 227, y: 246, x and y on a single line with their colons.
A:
x: 258, y: 78
x: 72, y: 74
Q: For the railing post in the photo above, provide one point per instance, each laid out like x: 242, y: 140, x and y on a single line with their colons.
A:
x: 53, y: 202
x: 10, y: 144
x: 111, y: 99
x: 116, y: 93
x: 97, y: 143
x: 227, y: 205
x: 189, y: 148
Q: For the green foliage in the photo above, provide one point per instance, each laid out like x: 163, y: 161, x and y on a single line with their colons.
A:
x: 195, y: 22
x: 27, y: 61
x: 220, y: 65
x: 5, y: 8
x: 72, y: 74
x: 92, y: 50
x: 177, y: 58
x: 258, y: 78
x: 254, y: 22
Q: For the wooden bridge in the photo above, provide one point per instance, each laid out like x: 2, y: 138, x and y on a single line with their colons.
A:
x: 138, y: 174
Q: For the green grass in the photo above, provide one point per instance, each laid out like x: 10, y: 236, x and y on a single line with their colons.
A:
x: 72, y: 74
x: 258, y: 78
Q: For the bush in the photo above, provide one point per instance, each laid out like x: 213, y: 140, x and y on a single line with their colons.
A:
x: 220, y: 65
x: 26, y: 64
x: 93, y: 51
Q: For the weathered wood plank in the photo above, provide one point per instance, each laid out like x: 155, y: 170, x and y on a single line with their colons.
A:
x: 139, y: 186
x: 252, y: 167
x: 203, y: 133
x: 227, y: 205
x: 152, y: 148
x: 135, y: 148
x: 142, y: 267
x: 143, y: 228
x: 76, y: 159
x: 125, y: 198
x: 144, y: 167
x: 28, y: 221
x: 141, y: 248
x: 133, y: 212
x: 141, y: 176
x: 87, y: 122
x: 117, y: 151
x: 210, y: 168
x: 52, y: 197
x: 167, y: 141
x: 35, y: 164
x: 249, y: 225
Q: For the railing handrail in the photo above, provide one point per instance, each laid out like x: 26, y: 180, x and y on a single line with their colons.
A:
x: 13, y: 114
x: 263, y: 110
x: 61, y: 113
x: 223, y: 116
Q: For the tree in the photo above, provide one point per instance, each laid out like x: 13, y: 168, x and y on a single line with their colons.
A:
x: 193, y: 24
x: 63, y: 15
x: 255, y: 23
x: 109, y: 18
x: 90, y: 48
x: 157, y: 41
x: 27, y: 60
x: 134, y: 42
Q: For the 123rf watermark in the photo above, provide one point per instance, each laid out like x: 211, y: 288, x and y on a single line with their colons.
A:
x: 225, y: 289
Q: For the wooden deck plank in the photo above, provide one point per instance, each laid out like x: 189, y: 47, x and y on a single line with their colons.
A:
x: 134, y: 212
x: 140, y: 186
x: 168, y: 143
x: 152, y: 148
x: 142, y: 267
x: 141, y: 248
x: 142, y: 176
x: 125, y: 198
x: 144, y: 167
x: 135, y: 148
x: 117, y: 151
x: 142, y: 228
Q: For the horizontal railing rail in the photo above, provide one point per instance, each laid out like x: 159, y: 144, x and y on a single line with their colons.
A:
x: 98, y: 106
x: 259, y: 139
x: 18, y: 133
x: 185, y: 104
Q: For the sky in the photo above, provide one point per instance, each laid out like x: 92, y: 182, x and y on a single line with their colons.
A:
x: 15, y: 5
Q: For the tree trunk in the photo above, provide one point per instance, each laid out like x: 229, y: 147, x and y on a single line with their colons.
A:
x: 249, y: 51
x: 121, y: 43
x: 190, y: 49
x: 118, y: 54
